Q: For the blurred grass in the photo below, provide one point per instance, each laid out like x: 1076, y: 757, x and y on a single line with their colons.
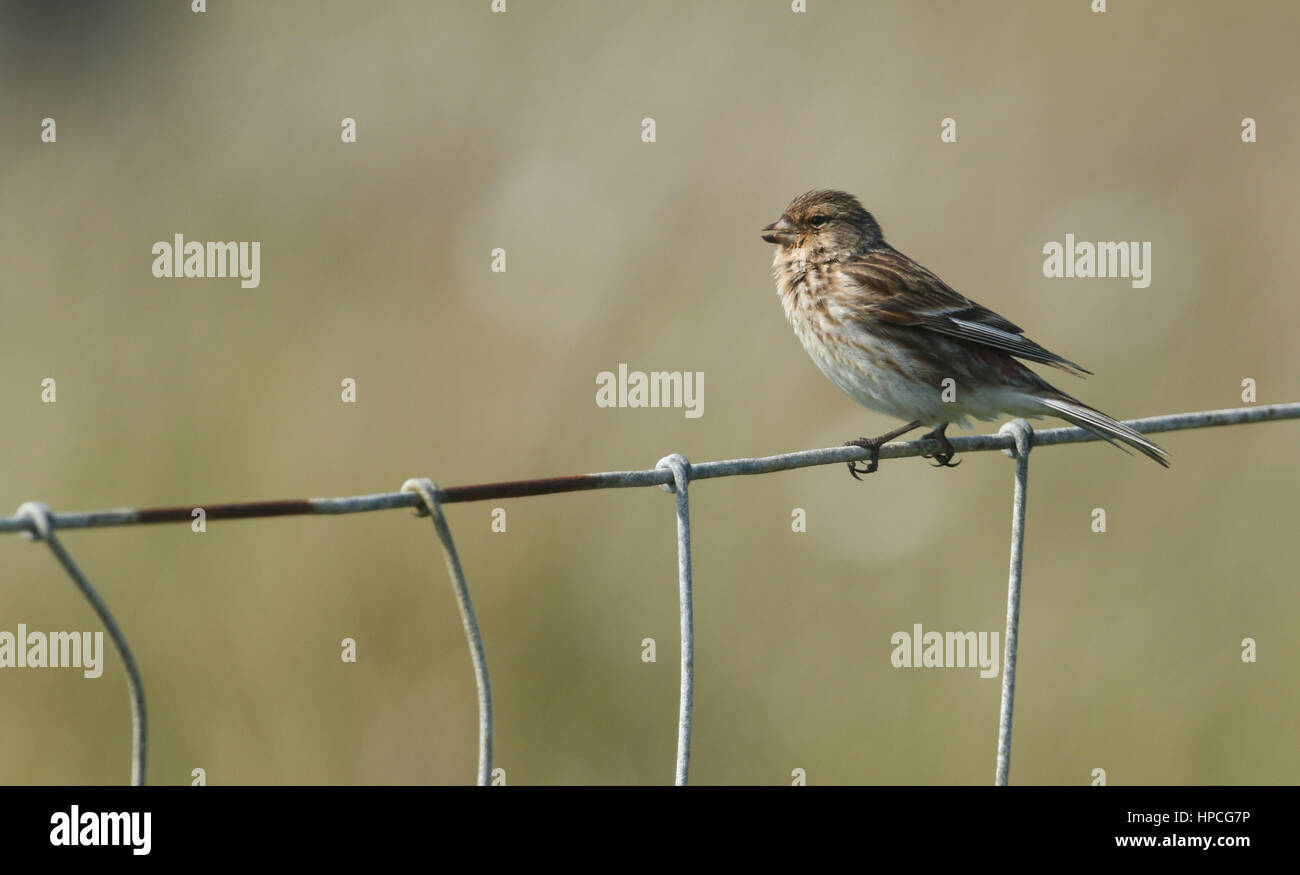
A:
x: 522, y: 131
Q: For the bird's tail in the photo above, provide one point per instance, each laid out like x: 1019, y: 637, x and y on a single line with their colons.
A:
x: 1109, y: 430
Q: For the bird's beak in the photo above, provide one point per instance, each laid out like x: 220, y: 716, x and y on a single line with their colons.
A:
x: 780, y: 231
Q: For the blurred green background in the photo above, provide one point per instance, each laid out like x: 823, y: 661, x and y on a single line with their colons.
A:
x: 523, y: 131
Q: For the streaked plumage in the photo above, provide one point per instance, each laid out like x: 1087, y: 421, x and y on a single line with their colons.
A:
x: 888, y: 331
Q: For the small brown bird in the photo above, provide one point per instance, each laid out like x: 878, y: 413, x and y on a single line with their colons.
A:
x: 889, y: 333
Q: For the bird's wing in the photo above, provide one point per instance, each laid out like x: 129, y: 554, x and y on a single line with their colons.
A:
x: 897, y: 290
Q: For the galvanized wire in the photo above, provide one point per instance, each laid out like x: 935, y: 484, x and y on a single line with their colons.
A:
x: 428, y: 492
x: 1023, y: 433
x: 681, y: 469
x: 673, y: 473
x: 39, y: 515
x: 625, y: 479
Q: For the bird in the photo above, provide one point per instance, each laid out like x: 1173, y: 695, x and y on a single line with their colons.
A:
x: 897, y: 339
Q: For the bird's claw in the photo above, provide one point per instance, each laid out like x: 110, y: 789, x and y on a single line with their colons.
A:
x: 872, y: 464
x: 943, y: 458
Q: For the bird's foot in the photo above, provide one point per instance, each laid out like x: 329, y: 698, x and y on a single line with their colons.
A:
x: 872, y: 444
x: 943, y: 458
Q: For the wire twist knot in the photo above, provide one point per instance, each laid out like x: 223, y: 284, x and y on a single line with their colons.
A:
x: 428, y: 491
x: 681, y: 469
x: 1023, y: 434
x: 39, y: 513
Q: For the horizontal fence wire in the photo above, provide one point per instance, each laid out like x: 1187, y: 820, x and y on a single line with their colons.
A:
x: 673, y: 473
x: 624, y: 479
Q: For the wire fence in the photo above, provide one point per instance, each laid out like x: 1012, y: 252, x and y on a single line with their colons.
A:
x: 674, y: 474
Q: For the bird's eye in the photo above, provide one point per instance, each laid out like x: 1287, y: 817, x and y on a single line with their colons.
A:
x: 818, y: 221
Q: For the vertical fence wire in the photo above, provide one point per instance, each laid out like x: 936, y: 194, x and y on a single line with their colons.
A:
x: 39, y: 515
x: 428, y: 491
x: 1024, y: 437
x: 681, y: 470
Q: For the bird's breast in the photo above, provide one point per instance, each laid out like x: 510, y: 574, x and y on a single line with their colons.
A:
x: 804, y: 290
x: 869, y: 367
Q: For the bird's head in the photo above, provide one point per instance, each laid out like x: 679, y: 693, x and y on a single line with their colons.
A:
x: 825, y: 225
